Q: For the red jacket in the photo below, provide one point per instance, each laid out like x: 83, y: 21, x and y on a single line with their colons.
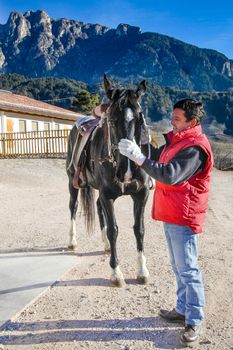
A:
x: 184, y: 204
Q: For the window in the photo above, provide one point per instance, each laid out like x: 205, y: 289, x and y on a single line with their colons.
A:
x: 22, y: 125
x: 34, y: 126
x: 56, y: 126
x: 9, y: 125
x: 46, y: 126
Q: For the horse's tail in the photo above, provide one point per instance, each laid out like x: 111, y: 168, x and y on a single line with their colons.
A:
x: 72, y: 149
x: 87, y: 204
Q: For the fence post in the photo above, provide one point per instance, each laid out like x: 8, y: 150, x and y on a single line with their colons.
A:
x: 47, y: 144
x: 4, y: 147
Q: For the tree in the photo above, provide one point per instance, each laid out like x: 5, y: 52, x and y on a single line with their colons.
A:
x: 84, y: 102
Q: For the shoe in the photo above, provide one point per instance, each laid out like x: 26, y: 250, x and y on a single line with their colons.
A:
x: 190, y: 334
x: 172, y: 316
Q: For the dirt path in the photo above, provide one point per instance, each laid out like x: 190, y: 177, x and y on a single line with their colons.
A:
x: 82, y: 311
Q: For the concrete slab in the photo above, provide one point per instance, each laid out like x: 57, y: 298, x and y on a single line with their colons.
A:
x: 24, y: 276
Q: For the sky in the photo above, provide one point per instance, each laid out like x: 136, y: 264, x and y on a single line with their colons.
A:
x: 204, y: 23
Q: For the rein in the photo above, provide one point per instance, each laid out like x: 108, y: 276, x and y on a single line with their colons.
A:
x: 111, y: 147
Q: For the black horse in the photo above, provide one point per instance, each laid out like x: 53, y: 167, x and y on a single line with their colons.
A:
x: 112, y: 174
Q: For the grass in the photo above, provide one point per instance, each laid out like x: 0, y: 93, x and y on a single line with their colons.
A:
x: 223, y: 155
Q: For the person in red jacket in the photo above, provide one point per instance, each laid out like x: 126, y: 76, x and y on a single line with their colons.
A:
x: 182, y: 169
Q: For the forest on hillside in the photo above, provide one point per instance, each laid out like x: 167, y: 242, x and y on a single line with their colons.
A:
x: 157, y: 103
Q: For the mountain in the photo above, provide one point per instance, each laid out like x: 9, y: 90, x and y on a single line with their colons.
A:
x: 35, y: 45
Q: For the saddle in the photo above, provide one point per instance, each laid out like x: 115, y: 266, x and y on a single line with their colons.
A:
x: 85, y: 126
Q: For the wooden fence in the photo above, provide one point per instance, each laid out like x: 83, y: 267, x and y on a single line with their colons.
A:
x: 44, y: 144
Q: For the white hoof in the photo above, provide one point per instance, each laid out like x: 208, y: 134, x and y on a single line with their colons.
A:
x: 72, y: 246
x: 119, y: 283
x: 142, y: 279
x: 117, y: 278
x: 73, y: 242
x: 143, y: 273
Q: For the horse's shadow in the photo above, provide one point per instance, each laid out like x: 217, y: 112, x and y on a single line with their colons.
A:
x: 98, y: 282
x: 151, y: 329
x: 38, y: 252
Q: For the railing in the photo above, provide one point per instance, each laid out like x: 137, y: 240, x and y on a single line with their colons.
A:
x: 44, y: 144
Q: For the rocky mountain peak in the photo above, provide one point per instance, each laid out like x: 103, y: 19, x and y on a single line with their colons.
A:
x: 16, y: 27
x: 34, y: 44
x: 37, y: 16
x: 126, y: 29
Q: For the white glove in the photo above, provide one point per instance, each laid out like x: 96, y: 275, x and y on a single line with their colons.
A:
x: 131, y: 150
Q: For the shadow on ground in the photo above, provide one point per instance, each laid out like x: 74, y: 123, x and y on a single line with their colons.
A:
x: 142, y: 329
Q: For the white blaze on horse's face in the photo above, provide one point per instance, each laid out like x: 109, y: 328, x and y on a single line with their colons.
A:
x: 128, y: 115
x: 128, y: 124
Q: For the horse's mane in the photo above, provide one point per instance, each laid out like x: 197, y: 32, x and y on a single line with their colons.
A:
x: 125, y: 97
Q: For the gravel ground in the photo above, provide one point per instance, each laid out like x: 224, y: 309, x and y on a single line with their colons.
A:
x: 82, y: 310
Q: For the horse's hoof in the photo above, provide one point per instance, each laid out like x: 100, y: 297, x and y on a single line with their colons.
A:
x: 142, y: 279
x: 107, y: 251
x: 73, y: 247
x: 119, y: 283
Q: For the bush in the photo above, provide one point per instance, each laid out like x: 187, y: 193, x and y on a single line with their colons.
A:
x: 223, y: 155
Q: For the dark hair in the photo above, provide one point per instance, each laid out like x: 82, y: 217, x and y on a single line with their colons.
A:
x: 193, y: 109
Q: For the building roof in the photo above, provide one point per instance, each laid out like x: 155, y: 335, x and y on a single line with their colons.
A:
x: 22, y: 104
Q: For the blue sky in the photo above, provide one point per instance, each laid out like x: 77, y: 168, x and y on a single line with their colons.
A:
x: 205, y: 23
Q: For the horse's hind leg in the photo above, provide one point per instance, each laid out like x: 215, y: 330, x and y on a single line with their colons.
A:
x: 73, y: 205
x: 140, y: 199
x: 103, y: 226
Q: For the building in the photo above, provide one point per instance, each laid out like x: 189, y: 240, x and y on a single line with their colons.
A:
x: 23, y: 114
x: 31, y: 128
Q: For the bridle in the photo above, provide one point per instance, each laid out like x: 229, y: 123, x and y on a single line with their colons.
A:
x: 112, y: 146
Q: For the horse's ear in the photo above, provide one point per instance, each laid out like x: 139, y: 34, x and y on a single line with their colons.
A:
x: 108, y: 86
x: 141, y: 89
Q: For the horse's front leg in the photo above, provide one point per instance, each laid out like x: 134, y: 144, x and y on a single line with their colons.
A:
x: 73, y: 205
x: 117, y: 277
x: 103, y: 226
x: 140, y: 200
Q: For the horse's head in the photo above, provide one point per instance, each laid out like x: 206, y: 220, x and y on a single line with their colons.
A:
x: 125, y: 118
x: 125, y: 113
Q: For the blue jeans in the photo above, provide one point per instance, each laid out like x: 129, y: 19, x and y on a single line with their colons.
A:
x: 182, y: 246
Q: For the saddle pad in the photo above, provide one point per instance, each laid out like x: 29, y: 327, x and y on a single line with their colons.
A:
x: 84, y: 120
x: 86, y: 127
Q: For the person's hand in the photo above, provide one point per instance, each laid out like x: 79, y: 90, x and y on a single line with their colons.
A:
x: 131, y: 150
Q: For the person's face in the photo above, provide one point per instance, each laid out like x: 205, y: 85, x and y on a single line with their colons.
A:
x: 180, y: 122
